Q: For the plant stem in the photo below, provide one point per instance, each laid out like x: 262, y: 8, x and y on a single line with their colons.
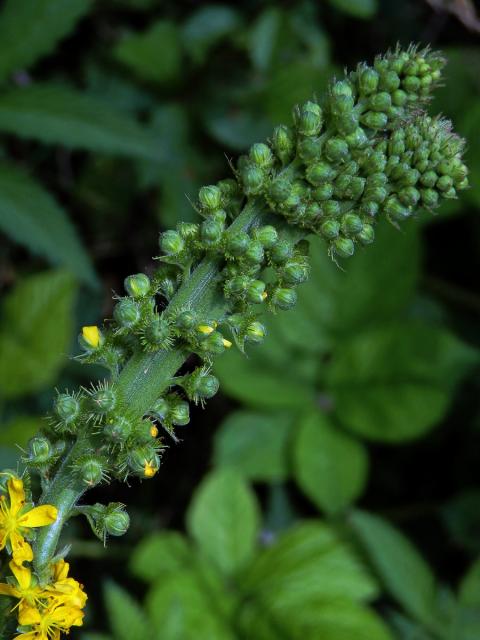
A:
x: 141, y: 382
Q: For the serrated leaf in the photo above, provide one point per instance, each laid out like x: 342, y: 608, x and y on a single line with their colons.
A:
x: 155, y: 54
x: 159, y: 555
x: 254, y: 444
x: 330, y: 466
x: 395, y: 383
x: 182, y: 608
x: 207, y: 26
x: 36, y: 329
x: 57, y: 114
x: 401, y: 568
x: 29, y: 215
x: 223, y: 518
x: 308, y: 564
x: 127, y: 618
x: 30, y: 29
x: 364, y: 9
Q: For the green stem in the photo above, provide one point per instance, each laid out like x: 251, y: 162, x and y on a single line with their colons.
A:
x: 140, y: 383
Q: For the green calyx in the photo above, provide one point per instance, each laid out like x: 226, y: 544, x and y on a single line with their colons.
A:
x: 365, y: 151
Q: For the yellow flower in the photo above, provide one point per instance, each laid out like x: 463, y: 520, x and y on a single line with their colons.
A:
x: 205, y: 329
x: 91, y: 335
x: 149, y: 470
x: 15, y: 521
x: 48, y: 623
x: 65, y: 590
x: 27, y: 590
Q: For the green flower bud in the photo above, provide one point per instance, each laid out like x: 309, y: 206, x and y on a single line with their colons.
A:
x: 103, y: 400
x: 366, y: 235
x: 411, y: 84
x: 118, y: 429
x: 281, y: 252
x: 380, y: 101
x: 171, y: 243
x: 357, y: 139
x: 238, y: 243
x: 389, y: 81
x: 369, y: 208
x: 266, y: 235
x: 91, y: 471
x: 67, y: 408
x: 185, y: 321
x: 261, y: 155
x: 368, y: 81
x: 138, y: 285
x: 213, y: 344
x: 116, y: 520
x: 284, y: 298
x: 255, y: 332
x: 313, y: 212
x: 395, y: 209
x: 157, y: 334
x: 160, y: 408
x: 309, y: 119
x: 330, y: 229
x: 127, y: 313
x: 342, y: 88
x: 295, y: 273
x: 351, y: 224
x: 188, y: 230
x: 343, y: 247
x: 399, y: 98
x: 283, y: 142
x: 210, y: 197
x: 320, y: 172
x: 375, y: 194
x: 336, y: 149
x: 429, y: 198
x: 409, y: 196
x: 323, y: 192
x: 144, y: 461
x: 211, y: 231
x: 279, y: 190
x: 309, y: 149
x: 253, y: 179
x: 254, y: 252
x: 374, y: 120
x: 444, y: 183
x: 347, y: 123
x: 40, y: 451
x: 256, y: 292
x: 179, y: 414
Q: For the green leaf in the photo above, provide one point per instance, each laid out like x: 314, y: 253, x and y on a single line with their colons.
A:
x: 263, y: 37
x: 223, y: 518
x: 181, y: 608
x: 307, y: 565
x: 254, y: 444
x: 403, y: 571
x: 469, y: 590
x: 56, y: 114
x: 330, y: 466
x: 19, y: 430
x: 461, y: 516
x: 207, y: 26
x: 36, y: 329
x: 127, y: 619
x: 236, y: 127
x: 159, y: 555
x: 29, y: 215
x: 29, y: 29
x: 396, y: 382
x: 364, y: 9
x: 154, y: 55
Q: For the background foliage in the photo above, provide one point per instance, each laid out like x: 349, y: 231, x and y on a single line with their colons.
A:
x: 332, y: 490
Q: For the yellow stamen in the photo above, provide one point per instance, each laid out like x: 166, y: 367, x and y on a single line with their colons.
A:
x: 153, y: 431
x: 149, y: 470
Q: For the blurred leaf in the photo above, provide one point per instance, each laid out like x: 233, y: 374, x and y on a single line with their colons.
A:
x: 181, y: 608
x: 330, y: 466
x: 307, y: 565
x: 263, y: 37
x: 30, y: 216
x: 223, y: 518
x: 29, y: 29
x: 254, y: 444
x: 403, y: 571
x: 358, y: 8
x: 19, y: 430
x: 56, y: 114
x: 395, y: 383
x: 35, y: 332
x: 127, y: 619
x: 469, y: 590
x: 154, y: 55
x: 405, y: 629
x: 207, y: 26
x: 469, y: 127
x: 236, y: 127
x: 95, y: 636
x: 461, y: 516
x: 159, y: 555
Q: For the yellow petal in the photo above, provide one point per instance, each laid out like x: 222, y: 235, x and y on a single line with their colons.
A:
x: 205, y: 329
x: 227, y: 344
x: 91, y: 335
x: 21, y: 550
x: 39, y: 516
x: 7, y: 590
x: 28, y: 616
x: 60, y: 570
x: 17, y: 495
x: 22, y: 574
